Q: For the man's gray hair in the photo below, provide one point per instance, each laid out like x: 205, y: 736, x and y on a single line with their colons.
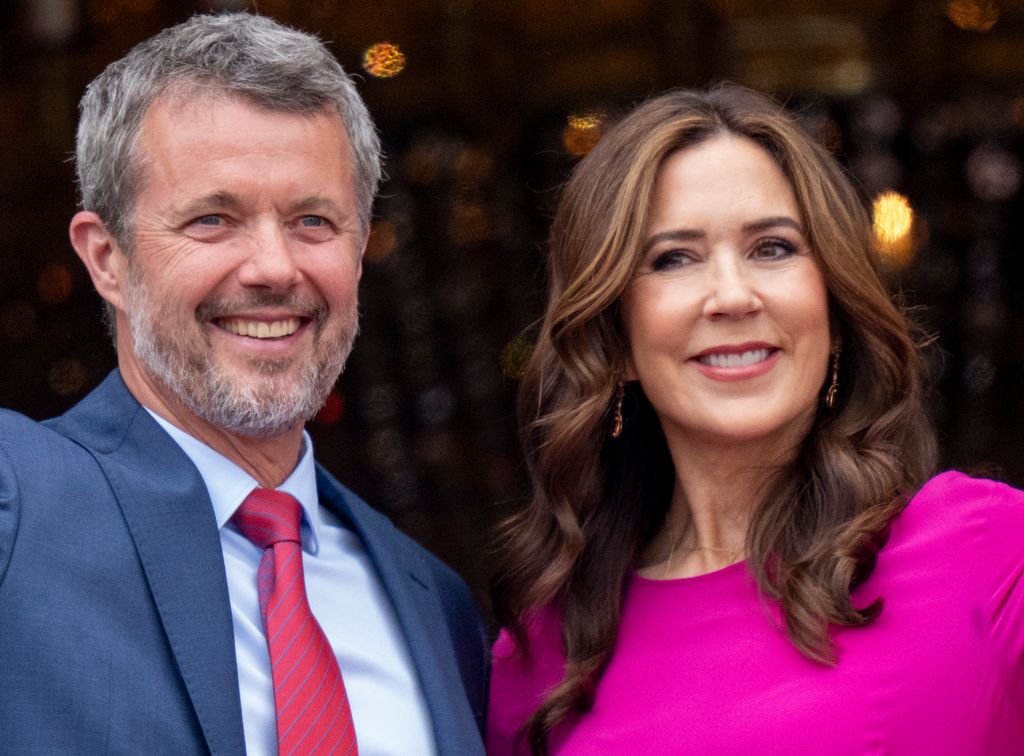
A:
x: 233, y: 54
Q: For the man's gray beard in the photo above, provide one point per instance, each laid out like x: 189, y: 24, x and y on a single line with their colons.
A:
x: 262, y: 408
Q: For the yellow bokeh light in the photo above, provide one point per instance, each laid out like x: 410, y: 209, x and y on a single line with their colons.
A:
x: 515, y: 356
x: 973, y: 15
x: 583, y: 131
x: 893, y: 226
x: 383, y: 60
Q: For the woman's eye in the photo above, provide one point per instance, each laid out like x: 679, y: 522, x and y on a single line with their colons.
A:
x: 673, y: 258
x: 774, y: 249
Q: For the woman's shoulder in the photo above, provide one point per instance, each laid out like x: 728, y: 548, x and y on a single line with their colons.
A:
x: 966, y: 517
x: 954, y: 496
x: 979, y: 526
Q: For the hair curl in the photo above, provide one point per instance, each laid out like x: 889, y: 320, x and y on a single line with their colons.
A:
x: 817, y: 530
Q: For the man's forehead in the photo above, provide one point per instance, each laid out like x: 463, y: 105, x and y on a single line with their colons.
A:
x: 187, y: 94
x: 166, y: 119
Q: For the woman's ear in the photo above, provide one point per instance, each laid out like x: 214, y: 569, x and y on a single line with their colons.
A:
x: 629, y: 373
x: 101, y: 255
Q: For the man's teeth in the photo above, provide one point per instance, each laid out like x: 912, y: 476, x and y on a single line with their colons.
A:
x: 259, y: 329
x: 735, y: 360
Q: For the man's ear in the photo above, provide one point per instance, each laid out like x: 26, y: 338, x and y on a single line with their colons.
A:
x: 101, y: 254
x: 362, y: 256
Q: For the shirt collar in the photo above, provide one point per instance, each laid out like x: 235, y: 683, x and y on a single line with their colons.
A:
x: 228, y: 484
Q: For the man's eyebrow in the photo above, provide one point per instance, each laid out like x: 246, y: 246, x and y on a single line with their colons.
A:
x: 317, y: 203
x: 208, y: 202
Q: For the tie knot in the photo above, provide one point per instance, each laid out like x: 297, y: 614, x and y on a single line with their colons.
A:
x: 267, y: 517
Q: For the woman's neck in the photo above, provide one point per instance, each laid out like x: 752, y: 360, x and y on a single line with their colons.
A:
x: 716, y: 491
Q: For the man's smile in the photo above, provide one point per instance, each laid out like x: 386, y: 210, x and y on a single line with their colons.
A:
x: 259, y: 329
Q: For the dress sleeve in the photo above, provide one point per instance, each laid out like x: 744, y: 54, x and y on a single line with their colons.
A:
x: 1006, y: 603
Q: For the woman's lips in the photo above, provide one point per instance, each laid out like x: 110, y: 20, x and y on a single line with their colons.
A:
x: 736, y: 363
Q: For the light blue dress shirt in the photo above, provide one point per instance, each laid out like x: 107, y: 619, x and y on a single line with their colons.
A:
x: 347, y: 598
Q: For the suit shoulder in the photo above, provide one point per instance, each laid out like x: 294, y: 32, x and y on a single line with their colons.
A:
x: 39, y: 448
x: 15, y: 423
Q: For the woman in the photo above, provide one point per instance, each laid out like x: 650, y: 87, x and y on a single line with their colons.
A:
x: 733, y: 545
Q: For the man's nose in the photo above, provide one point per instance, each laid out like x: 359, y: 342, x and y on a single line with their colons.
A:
x: 270, y: 262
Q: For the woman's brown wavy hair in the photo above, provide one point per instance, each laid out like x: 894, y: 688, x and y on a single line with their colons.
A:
x: 597, y: 502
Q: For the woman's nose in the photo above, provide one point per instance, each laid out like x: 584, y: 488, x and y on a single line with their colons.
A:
x: 732, y: 291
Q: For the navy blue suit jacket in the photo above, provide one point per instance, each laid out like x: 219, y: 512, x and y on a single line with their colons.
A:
x: 115, y: 624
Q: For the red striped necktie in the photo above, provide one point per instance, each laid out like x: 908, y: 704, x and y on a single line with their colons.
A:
x: 313, y: 714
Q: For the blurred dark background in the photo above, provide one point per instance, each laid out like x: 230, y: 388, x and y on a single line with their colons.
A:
x: 484, y: 107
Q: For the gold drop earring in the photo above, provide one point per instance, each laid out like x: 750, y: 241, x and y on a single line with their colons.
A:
x: 833, y: 389
x: 620, y: 392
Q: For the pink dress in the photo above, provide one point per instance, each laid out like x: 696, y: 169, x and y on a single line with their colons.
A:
x: 703, y: 666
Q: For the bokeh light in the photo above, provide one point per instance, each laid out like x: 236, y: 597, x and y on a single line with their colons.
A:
x: 381, y: 402
x: 435, y: 405
x: 993, y: 172
x: 332, y: 411
x: 19, y: 321
x: 823, y: 128
x: 429, y: 157
x: 67, y: 377
x: 55, y: 284
x: 385, y: 448
x: 979, y: 374
x: 437, y: 449
x: 383, y: 60
x: 473, y: 165
x: 892, y: 225
x: 471, y: 221
x: 383, y: 240
x: 973, y: 15
x: 878, y: 118
x: 583, y: 131
x: 515, y: 356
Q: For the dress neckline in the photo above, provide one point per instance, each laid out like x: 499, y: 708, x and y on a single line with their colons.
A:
x: 719, y: 574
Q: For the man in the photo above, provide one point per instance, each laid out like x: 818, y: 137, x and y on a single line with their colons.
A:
x: 177, y: 575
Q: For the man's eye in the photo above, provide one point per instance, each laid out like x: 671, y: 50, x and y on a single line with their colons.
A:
x: 313, y: 221
x: 209, y: 220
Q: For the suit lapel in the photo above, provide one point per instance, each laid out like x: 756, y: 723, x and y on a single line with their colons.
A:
x: 167, y: 508
x: 413, y: 595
